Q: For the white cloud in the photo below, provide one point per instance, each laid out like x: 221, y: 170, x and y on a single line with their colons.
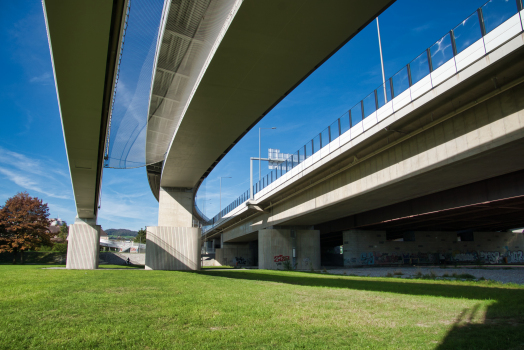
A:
x: 45, y: 78
x: 29, y: 184
x: 34, y: 175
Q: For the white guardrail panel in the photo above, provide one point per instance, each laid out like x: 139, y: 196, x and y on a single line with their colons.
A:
x: 369, y: 121
x: 345, y: 137
x: 503, y: 33
x: 443, y: 72
x: 357, y: 129
x: 385, y: 111
x: 324, y: 151
x: 470, y: 54
x: 421, y: 87
x: 334, y: 145
x: 401, y: 100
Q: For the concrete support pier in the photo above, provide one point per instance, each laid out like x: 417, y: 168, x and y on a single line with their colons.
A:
x: 236, y: 254
x: 173, y: 248
x: 83, y: 246
x: 174, y: 244
x: 300, y: 247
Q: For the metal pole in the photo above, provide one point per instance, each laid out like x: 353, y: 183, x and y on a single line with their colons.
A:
x: 259, y: 169
x: 382, y: 63
x: 251, y: 195
x: 259, y: 155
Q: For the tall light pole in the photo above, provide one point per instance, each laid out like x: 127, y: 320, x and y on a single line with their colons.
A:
x: 382, y: 63
x: 222, y: 177
x: 259, y: 166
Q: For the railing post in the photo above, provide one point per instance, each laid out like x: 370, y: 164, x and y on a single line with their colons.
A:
x: 329, y: 133
x: 312, y: 147
x: 391, y: 87
x: 519, y: 5
x: 376, y: 102
x: 362, y: 108
x: 350, y: 121
x: 305, y: 152
x: 409, y: 75
x: 320, y: 138
x: 453, y: 44
x: 430, y: 63
x: 481, y: 21
x: 339, y: 128
x: 251, y: 195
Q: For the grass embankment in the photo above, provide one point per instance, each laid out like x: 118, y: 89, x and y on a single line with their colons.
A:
x: 213, y: 309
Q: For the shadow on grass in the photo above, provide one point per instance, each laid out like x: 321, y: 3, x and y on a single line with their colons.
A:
x: 503, y: 327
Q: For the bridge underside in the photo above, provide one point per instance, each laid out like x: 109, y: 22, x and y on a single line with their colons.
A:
x: 495, y: 204
x: 449, y: 161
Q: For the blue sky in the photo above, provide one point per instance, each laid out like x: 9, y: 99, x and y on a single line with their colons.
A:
x: 32, y: 151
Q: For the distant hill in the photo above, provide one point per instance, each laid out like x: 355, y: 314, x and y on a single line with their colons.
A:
x: 120, y: 232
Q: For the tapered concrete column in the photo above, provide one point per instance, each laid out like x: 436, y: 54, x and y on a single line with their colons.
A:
x: 275, y: 246
x: 174, y: 244
x: 83, y: 246
x: 175, y: 207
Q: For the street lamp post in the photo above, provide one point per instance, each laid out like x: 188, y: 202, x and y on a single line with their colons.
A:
x: 259, y: 166
x: 222, y: 177
x: 382, y: 63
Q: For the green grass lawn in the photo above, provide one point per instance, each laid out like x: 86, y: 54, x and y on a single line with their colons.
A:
x: 231, y: 309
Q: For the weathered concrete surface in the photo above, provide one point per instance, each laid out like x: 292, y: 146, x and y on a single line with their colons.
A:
x: 173, y: 248
x: 175, y: 207
x: 235, y: 254
x: 363, y: 247
x: 484, y: 141
x: 275, y: 246
x: 83, y: 246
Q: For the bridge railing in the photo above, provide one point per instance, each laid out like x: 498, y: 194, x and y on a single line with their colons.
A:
x: 491, y: 25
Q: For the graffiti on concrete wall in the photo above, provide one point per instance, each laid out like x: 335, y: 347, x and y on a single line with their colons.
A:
x: 280, y: 258
x: 367, y: 258
x: 306, y: 262
x: 515, y: 257
x: 238, y: 260
x: 490, y: 257
x: 378, y: 258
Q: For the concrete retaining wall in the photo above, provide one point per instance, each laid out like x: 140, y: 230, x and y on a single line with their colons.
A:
x: 275, y: 247
x: 235, y: 254
x: 121, y: 258
x: 372, y: 248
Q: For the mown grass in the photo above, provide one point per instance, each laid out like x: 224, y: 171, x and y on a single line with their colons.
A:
x: 230, y: 309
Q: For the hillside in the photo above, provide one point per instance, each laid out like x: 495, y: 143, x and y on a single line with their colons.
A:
x: 120, y: 232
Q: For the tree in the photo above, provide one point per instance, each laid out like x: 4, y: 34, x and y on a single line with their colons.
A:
x: 23, y: 224
x: 61, y: 245
x: 141, y: 236
x: 64, y: 232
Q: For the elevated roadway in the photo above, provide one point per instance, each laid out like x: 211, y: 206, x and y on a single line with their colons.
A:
x: 221, y: 67
x: 84, y: 40
x: 407, y: 164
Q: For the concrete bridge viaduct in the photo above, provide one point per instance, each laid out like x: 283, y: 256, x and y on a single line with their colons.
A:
x: 447, y: 162
x: 451, y: 144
